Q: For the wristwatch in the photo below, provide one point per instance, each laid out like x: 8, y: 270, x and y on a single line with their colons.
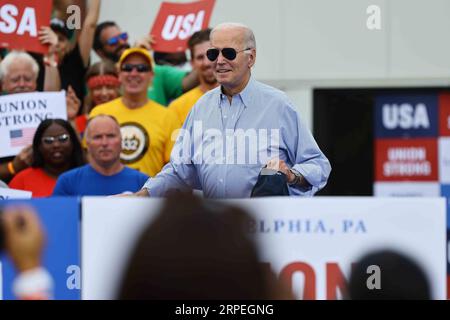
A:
x: 298, y: 177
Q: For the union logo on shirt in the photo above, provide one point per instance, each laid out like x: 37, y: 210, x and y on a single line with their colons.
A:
x: 135, y: 142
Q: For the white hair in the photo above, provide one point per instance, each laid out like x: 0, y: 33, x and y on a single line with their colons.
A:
x: 249, y: 37
x: 12, y: 57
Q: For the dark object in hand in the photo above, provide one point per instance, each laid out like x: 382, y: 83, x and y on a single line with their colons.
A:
x: 270, y: 183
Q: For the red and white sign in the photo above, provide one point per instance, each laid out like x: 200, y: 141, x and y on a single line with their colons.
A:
x: 406, y: 160
x: 176, y: 22
x: 444, y: 114
x: 20, y: 22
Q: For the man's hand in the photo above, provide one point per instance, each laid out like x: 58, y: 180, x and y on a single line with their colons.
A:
x: 280, y: 165
x: 145, y: 42
x: 73, y: 103
x: 24, y: 238
x: 48, y: 36
x: 24, y: 159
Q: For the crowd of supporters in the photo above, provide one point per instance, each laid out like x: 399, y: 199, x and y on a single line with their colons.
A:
x: 127, y: 84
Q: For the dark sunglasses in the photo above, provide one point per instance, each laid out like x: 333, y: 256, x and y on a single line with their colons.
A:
x: 61, y: 139
x: 227, y: 53
x: 141, y: 67
x: 115, y: 40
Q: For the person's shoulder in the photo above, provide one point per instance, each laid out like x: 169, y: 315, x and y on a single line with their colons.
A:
x: 106, y: 108
x: 267, y: 90
x: 74, y: 173
x: 273, y: 97
x: 24, y: 175
x: 193, y: 94
x: 133, y: 172
x: 157, y: 108
x: 211, y: 95
x: 28, y: 172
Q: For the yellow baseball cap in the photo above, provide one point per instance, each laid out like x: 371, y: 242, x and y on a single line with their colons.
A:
x: 140, y: 51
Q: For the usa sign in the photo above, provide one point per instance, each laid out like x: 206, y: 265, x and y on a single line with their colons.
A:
x: 406, y: 116
x: 176, y: 22
x: 20, y: 22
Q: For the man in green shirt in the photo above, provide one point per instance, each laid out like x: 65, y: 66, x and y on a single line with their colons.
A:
x: 168, y: 82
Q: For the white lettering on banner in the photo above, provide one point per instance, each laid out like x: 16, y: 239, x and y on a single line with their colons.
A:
x: 8, y: 23
x: 407, y: 162
x: 182, y: 26
x: 405, y: 116
x: 404, y: 154
x: 407, y: 169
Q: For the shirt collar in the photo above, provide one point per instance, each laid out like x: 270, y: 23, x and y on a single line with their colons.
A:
x: 246, y: 95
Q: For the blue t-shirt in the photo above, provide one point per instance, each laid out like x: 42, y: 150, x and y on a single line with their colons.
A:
x: 85, y: 181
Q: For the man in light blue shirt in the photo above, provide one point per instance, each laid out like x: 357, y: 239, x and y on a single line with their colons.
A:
x: 233, y: 131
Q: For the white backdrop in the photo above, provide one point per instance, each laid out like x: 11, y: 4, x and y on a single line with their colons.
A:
x: 317, y: 232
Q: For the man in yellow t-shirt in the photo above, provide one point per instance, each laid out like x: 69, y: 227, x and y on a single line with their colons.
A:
x: 146, y: 126
x: 198, y: 45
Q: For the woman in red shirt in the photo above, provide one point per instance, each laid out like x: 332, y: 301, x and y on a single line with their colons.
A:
x: 56, y: 149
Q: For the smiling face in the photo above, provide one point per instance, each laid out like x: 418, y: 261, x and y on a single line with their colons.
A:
x: 202, y: 65
x: 20, y: 78
x: 56, y: 147
x: 104, y: 93
x: 233, y: 75
x: 135, y: 82
x: 113, y: 51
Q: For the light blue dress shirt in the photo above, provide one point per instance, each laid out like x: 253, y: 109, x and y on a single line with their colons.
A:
x: 222, y: 147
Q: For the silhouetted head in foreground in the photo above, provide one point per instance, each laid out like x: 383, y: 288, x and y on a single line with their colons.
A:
x: 195, y: 250
x: 399, y: 278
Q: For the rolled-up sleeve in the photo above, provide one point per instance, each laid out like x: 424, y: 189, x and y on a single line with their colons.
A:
x: 304, y: 154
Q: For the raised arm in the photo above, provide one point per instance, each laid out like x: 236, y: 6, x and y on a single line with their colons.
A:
x: 52, y: 80
x: 86, y: 39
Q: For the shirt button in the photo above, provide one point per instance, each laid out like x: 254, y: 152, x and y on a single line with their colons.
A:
x: 221, y: 180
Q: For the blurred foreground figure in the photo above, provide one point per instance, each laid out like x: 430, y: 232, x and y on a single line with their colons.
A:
x: 24, y: 241
x: 400, y: 278
x: 196, y: 250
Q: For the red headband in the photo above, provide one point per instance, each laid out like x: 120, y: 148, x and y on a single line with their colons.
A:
x: 103, y: 80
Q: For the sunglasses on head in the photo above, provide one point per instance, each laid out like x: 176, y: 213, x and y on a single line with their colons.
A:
x: 141, y: 67
x: 50, y: 140
x: 115, y: 40
x: 227, y: 53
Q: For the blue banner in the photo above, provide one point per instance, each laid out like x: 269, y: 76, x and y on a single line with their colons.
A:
x: 406, y: 115
x: 60, y: 217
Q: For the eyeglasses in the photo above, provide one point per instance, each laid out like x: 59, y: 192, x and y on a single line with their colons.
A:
x: 227, y: 53
x: 115, y: 40
x: 141, y: 67
x: 61, y: 139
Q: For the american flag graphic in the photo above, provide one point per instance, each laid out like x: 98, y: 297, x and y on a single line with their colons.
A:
x: 21, y: 137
